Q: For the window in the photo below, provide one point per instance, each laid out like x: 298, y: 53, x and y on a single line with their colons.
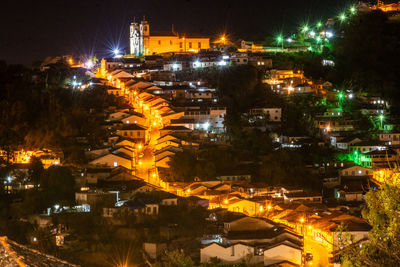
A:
x: 154, y: 210
x: 170, y: 42
x: 190, y: 44
x: 138, y: 134
x: 148, y: 209
x: 115, y: 164
x: 180, y: 45
x: 159, y: 42
x: 199, y: 45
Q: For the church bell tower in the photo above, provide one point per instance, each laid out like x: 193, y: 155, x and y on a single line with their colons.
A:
x: 144, y: 37
x: 134, y: 38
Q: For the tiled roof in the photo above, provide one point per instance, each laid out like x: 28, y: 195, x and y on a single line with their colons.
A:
x: 13, y: 254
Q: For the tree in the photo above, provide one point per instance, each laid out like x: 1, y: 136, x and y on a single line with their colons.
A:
x: 35, y: 170
x: 382, y: 212
x: 377, y: 72
x: 58, y: 184
x: 175, y: 258
x: 183, y: 166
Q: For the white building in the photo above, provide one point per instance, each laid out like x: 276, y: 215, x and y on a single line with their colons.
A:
x: 207, y: 120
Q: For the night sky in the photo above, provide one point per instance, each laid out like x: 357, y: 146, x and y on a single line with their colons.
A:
x: 32, y: 30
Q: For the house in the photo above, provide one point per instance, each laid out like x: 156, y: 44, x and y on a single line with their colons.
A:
x: 207, y: 119
x: 273, y: 114
x: 93, y: 175
x: 174, y: 129
x: 169, y: 202
x: 391, y: 138
x: 234, y: 176
x: 133, y: 131
x: 355, y: 171
x: 302, y: 197
x: 246, y: 206
x: 230, y: 254
x: 154, y: 250
x: 167, y: 151
x: 379, y: 158
x: 367, y: 146
x: 344, y: 143
x: 117, y: 116
x: 164, y: 161
x: 135, y: 118
x: 142, y: 206
x: 266, y: 254
x: 96, y: 199
x: 260, y: 239
x: 350, y: 191
x: 112, y: 160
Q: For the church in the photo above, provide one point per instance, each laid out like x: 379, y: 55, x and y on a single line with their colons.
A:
x: 144, y: 42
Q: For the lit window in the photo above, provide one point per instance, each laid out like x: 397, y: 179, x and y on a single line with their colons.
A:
x: 115, y: 164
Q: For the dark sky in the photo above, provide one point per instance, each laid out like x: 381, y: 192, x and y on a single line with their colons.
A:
x: 31, y: 30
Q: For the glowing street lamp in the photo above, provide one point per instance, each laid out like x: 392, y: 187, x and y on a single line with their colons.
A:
x: 381, y: 117
x: 312, y: 34
x: 340, y: 96
x: 279, y: 40
x: 342, y: 17
x: 319, y: 25
x: 353, y: 10
x: 305, y: 28
x: 116, y: 52
x: 302, y: 220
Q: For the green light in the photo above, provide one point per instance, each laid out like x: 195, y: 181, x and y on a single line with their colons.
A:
x: 305, y: 28
x: 381, y: 117
x: 340, y: 95
x: 342, y: 17
x: 353, y: 10
x: 318, y: 39
x: 319, y: 25
x: 279, y: 38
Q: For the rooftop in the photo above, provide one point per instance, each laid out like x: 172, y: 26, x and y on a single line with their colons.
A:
x: 14, y: 254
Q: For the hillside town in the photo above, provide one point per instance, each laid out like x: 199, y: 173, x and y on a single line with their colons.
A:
x: 190, y: 150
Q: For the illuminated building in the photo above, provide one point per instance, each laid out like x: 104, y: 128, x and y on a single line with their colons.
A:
x: 47, y: 157
x: 393, y: 7
x: 143, y: 42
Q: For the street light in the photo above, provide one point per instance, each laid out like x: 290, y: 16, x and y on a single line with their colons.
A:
x: 305, y: 28
x: 353, y: 10
x: 279, y: 39
x: 381, y: 117
x: 342, y: 17
x: 319, y: 25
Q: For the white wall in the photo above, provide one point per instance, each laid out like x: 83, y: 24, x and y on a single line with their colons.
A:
x: 232, y: 254
x: 282, y: 252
